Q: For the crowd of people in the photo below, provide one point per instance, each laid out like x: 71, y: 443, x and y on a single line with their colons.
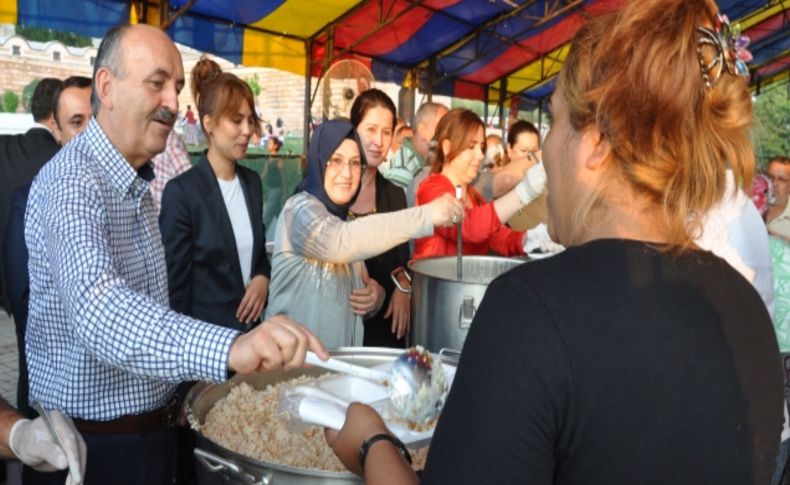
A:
x: 632, y: 356
x: 645, y: 350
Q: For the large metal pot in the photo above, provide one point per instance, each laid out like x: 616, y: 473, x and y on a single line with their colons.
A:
x: 219, y: 465
x: 442, y: 306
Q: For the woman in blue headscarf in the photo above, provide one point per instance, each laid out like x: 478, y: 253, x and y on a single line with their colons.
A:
x: 318, y: 272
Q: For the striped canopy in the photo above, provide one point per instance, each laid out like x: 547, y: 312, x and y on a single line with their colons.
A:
x: 475, y: 49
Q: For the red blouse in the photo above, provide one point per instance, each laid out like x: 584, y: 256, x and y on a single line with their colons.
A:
x: 482, y: 231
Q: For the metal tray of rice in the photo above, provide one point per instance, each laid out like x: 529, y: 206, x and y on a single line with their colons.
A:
x: 242, y: 439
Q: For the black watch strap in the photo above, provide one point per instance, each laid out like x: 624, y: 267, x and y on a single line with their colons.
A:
x: 365, y: 447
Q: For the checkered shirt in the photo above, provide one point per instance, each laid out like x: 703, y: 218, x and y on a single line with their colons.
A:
x: 101, y: 340
x: 168, y: 164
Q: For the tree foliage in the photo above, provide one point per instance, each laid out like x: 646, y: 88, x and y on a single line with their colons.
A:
x: 772, y: 123
x: 45, y: 35
x: 254, y: 85
x: 27, y: 94
x: 10, y: 101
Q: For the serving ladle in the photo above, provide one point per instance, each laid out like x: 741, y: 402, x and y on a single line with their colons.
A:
x: 416, y: 383
x: 459, y: 268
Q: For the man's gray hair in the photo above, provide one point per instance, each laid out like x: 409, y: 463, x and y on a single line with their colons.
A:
x: 110, y: 58
x: 428, y: 111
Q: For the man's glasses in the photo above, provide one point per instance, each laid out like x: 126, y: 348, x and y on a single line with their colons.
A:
x: 339, y: 164
x: 775, y: 178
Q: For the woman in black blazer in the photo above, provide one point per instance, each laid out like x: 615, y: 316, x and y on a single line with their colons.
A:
x: 211, y: 218
x: 373, y: 116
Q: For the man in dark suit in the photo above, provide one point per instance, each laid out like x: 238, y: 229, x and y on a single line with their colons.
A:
x: 21, y: 156
x: 71, y: 111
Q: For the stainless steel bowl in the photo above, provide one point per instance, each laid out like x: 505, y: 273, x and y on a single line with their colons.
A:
x: 443, y: 306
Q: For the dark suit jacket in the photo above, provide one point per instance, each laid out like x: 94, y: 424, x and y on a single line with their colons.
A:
x: 18, y: 286
x: 204, y: 275
x: 21, y: 157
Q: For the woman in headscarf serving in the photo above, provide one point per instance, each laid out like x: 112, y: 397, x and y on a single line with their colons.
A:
x: 318, y: 272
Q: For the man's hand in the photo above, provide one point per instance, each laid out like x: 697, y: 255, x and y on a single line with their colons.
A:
x: 32, y: 443
x: 251, y: 305
x: 277, y: 342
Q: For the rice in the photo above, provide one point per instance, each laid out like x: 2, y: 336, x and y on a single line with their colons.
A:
x: 246, y: 421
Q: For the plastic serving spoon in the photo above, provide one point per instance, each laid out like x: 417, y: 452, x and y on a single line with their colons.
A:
x: 346, y: 368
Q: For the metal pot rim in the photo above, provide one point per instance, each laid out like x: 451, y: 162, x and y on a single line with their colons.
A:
x: 414, y: 265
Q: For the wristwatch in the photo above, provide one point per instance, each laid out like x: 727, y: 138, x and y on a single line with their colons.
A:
x: 365, y: 447
x: 394, y: 277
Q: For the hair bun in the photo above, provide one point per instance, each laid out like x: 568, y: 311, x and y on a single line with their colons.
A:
x: 205, y: 71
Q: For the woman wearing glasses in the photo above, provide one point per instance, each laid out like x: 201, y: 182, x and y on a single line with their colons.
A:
x: 318, y: 272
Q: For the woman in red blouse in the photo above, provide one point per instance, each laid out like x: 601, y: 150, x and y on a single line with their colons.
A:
x: 460, y: 150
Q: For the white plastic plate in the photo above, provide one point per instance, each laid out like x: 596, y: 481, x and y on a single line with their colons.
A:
x: 328, y: 398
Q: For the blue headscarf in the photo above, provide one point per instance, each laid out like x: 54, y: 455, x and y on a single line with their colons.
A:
x: 325, y: 140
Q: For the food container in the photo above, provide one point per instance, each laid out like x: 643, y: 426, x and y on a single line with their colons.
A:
x: 219, y: 465
x: 442, y: 306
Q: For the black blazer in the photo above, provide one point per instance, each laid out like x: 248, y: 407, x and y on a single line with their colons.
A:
x: 21, y: 157
x: 15, y: 259
x: 204, y: 275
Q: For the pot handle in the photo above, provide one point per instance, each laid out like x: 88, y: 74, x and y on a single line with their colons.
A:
x: 466, y: 313
x: 216, y: 464
x: 452, y: 355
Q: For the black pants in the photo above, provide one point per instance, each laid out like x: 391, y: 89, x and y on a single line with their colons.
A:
x: 128, y: 459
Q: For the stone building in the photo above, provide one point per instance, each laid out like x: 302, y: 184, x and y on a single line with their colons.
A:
x: 281, y: 96
x: 22, y: 61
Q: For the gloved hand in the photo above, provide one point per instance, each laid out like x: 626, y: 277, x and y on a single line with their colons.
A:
x: 532, y: 185
x: 537, y: 240
x: 32, y: 444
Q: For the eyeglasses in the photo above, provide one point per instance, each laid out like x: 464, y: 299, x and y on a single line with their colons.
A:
x: 776, y: 178
x: 339, y: 164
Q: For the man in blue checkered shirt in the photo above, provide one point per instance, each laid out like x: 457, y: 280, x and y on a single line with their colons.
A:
x: 102, y: 345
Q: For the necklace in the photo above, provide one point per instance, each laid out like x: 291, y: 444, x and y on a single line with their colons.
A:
x: 353, y: 215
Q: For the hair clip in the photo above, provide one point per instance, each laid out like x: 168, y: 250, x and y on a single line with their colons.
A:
x: 730, y: 50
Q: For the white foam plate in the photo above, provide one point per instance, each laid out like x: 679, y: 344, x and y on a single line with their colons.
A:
x: 326, y: 400
x: 539, y: 255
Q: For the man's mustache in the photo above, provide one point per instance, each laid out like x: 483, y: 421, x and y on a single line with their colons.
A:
x: 164, y: 115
